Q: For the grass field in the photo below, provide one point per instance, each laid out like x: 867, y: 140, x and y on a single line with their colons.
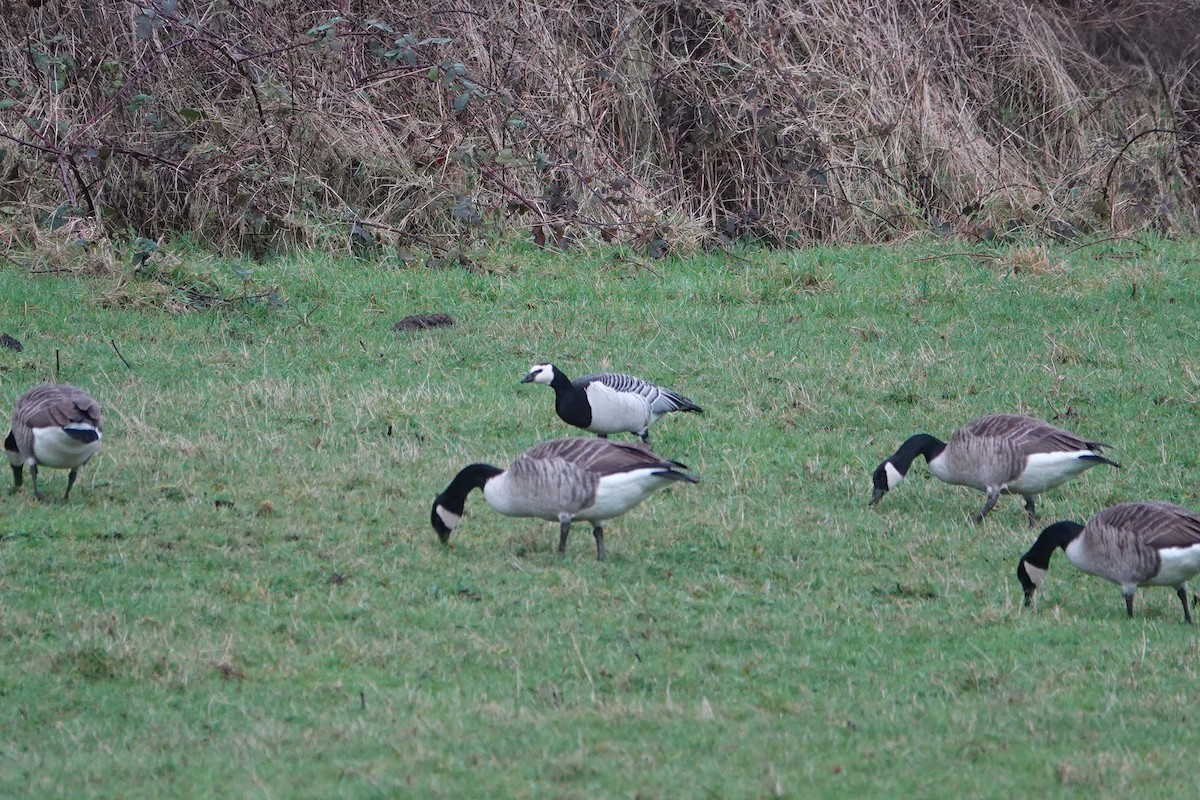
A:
x: 244, y: 597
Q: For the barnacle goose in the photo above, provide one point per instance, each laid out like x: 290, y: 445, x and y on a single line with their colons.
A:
x: 607, y: 402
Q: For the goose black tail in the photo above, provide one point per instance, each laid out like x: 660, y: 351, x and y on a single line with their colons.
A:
x: 1101, y: 460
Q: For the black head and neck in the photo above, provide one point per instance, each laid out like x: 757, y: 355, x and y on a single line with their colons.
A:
x: 891, y: 472
x: 1031, y: 569
x: 450, y: 506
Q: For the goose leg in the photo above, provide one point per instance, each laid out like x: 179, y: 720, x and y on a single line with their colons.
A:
x: 564, y: 527
x: 598, y: 532
x: 1030, y: 500
x: 1129, y: 604
x: 645, y: 434
x: 992, y: 496
x: 1182, y: 593
x: 601, y: 435
x: 33, y: 478
x: 71, y: 476
x: 18, y: 476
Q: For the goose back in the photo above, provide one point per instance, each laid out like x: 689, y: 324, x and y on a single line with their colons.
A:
x: 542, y: 488
x: 57, y: 425
x: 1142, y: 543
x: 661, y: 400
x: 996, y: 450
x: 608, y: 409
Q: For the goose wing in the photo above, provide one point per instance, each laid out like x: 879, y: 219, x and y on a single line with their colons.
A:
x: 1027, y: 434
x: 1163, y: 525
x: 545, y: 485
x: 51, y: 405
x: 601, y: 456
x: 661, y: 400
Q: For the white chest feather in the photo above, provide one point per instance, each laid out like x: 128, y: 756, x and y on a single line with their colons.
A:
x: 52, y: 447
x: 501, y: 495
x: 940, y: 467
x: 1046, y: 470
x: 613, y: 411
x: 1081, y: 558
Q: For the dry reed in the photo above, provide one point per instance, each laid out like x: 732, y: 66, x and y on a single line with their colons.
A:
x: 668, y: 125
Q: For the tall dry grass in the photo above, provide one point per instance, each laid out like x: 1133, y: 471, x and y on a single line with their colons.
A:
x: 666, y: 124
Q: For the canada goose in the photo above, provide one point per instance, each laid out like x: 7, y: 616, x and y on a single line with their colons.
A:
x: 1134, y: 544
x: 608, y: 402
x: 53, y: 425
x: 562, y: 480
x: 997, y: 454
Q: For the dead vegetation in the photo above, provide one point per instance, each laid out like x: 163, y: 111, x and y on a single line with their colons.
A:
x: 668, y: 125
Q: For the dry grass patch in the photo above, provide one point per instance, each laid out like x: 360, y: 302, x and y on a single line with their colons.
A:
x: 669, y: 126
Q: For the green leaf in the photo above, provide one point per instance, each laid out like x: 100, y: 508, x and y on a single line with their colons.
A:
x: 191, y: 114
x: 379, y: 25
x: 58, y: 217
x: 461, y: 101
x: 7, y: 104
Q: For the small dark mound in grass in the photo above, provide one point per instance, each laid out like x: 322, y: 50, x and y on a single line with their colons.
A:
x: 419, y: 322
x: 10, y: 343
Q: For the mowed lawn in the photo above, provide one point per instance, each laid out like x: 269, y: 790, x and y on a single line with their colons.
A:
x: 244, y: 597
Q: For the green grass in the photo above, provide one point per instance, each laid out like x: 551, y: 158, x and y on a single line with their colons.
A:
x: 244, y: 598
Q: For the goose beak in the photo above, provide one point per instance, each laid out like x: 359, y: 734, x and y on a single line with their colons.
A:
x: 876, y: 496
x: 528, y: 378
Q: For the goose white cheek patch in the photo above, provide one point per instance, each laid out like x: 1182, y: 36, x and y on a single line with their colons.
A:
x: 449, y: 518
x: 893, y: 476
x: 1035, y: 574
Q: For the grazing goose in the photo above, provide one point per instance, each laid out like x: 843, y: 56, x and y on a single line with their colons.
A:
x: 53, y: 425
x: 997, y: 454
x: 608, y: 402
x: 562, y: 480
x: 1131, y: 544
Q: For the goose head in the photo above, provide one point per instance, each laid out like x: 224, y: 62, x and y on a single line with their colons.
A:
x: 541, y: 373
x: 885, y: 478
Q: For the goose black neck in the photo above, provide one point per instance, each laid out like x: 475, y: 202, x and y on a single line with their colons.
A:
x: 473, y: 476
x: 921, y: 444
x: 1060, y: 534
x: 570, y: 401
x: 560, y: 382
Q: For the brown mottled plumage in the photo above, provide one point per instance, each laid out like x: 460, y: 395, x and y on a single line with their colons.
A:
x: 53, y: 425
x: 1142, y: 543
x: 997, y: 454
x: 562, y: 480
